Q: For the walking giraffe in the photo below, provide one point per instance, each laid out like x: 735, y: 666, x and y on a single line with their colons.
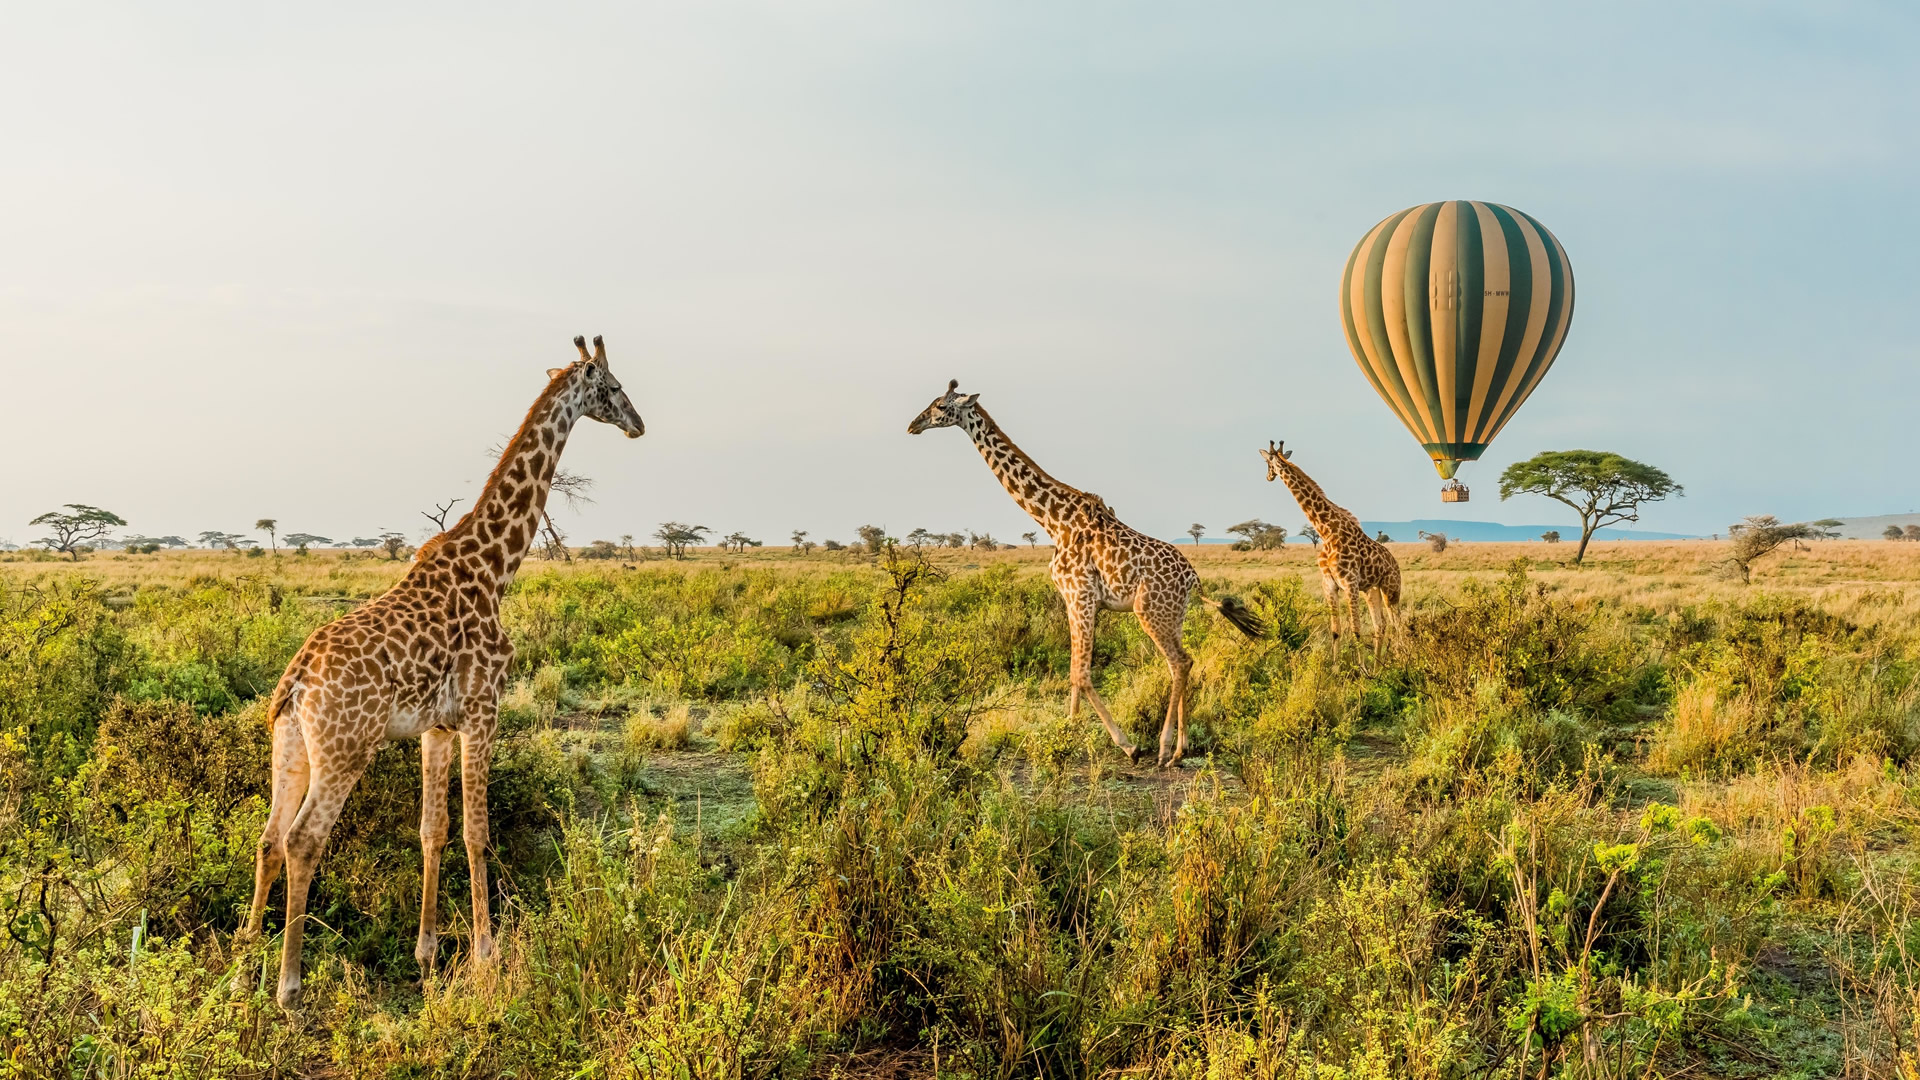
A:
x: 426, y: 658
x: 1098, y: 562
x: 1349, y: 558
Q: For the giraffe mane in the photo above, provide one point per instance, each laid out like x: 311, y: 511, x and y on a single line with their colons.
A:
x: 1045, y: 477
x: 520, y: 436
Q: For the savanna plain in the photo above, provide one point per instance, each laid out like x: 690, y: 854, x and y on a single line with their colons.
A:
x: 775, y: 814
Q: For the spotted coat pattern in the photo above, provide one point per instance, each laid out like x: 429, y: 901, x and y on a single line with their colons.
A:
x: 427, y: 660
x: 1098, y: 563
x: 1349, y: 559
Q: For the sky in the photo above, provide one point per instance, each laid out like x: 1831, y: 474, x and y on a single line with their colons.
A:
x: 310, y: 262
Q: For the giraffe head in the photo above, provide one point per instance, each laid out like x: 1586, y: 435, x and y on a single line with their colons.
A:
x: 605, y: 400
x: 1274, y: 454
x: 947, y: 410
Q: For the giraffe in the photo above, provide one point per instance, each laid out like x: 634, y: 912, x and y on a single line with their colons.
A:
x: 1098, y: 562
x: 425, y: 659
x: 1349, y: 558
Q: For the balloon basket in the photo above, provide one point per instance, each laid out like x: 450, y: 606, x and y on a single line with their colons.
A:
x: 1455, y: 492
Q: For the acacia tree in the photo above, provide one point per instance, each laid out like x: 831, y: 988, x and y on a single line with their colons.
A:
x: 874, y: 537
x: 1313, y: 535
x: 1257, y: 535
x: 1760, y: 534
x: 268, y: 525
x: 1551, y: 536
x: 1602, y: 487
x: 1894, y: 532
x: 1031, y: 538
x: 676, y: 537
x: 82, y: 526
x: 302, y: 541
x: 1196, y: 530
x: 394, y: 544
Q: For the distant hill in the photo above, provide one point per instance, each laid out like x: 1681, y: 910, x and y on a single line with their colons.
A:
x: 1871, y: 528
x: 1489, y: 531
x: 1486, y: 531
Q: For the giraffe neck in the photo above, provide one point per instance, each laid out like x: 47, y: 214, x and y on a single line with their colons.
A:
x: 1320, y: 511
x: 507, y: 513
x: 1046, y: 500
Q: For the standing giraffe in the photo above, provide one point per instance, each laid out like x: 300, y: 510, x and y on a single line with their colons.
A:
x: 1349, y: 558
x: 1098, y: 562
x: 426, y: 658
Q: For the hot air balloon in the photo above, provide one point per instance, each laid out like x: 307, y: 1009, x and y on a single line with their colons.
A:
x: 1454, y: 311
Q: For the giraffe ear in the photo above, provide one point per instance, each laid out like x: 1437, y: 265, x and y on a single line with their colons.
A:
x: 969, y: 399
x: 555, y: 372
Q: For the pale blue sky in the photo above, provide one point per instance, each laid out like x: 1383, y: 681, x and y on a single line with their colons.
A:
x: 309, y: 263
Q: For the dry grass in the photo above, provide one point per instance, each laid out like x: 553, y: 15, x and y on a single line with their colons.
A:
x: 668, y: 730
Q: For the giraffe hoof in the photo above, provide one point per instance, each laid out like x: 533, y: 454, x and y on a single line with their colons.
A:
x: 1133, y: 755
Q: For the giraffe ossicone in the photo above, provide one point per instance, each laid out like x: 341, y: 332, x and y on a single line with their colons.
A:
x: 426, y: 659
x: 1098, y: 563
x: 1349, y: 559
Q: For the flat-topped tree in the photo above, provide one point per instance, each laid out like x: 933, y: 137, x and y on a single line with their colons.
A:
x: 80, y: 526
x: 1602, y: 487
x: 301, y: 541
x: 1760, y: 534
x: 1257, y: 535
x: 1098, y: 563
x: 268, y: 526
x: 677, y: 536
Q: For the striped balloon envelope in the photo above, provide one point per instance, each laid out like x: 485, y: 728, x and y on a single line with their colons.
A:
x: 1454, y: 311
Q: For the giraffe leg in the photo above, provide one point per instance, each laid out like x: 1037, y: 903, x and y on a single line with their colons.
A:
x: 436, y: 757
x: 1081, y: 613
x: 327, y: 791
x: 1331, y: 586
x: 1377, y: 611
x: 1353, y: 613
x: 476, y: 757
x: 289, y: 789
x: 1164, y: 628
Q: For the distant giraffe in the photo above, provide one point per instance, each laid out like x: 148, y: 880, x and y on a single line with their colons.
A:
x: 1098, y: 562
x: 1349, y: 558
x: 426, y: 658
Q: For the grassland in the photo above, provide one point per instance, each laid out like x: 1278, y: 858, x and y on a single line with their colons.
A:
x: 771, y: 815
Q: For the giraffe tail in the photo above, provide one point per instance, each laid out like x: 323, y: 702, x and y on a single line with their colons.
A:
x: 286, y: 690
x: 1240, y: 615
